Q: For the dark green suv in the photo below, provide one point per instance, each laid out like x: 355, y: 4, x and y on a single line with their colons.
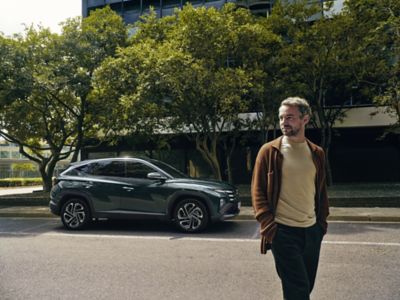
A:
x: 131, y: 188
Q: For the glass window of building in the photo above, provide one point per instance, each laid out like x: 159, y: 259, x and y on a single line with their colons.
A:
x: 4, y: 154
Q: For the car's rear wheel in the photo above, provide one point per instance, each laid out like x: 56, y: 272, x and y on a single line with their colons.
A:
x: 191, y: 215
x: 75, y: 214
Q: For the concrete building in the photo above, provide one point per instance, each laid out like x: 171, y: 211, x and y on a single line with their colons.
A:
x: 131, y: 10
x: 14, y: 165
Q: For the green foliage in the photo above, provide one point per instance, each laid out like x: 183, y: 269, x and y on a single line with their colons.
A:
x: 385, y: 34
x: 193, y: 73
x: 184, y: 73
x: 46, y: 113
x: 23, y: 167
x: 13, y: 182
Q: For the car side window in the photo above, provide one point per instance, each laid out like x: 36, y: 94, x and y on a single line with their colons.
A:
x: 109, y: 169
x: 81, y: 171
x: 137, y: 170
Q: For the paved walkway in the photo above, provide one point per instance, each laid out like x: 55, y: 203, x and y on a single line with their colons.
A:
x: 374, y: 214
x: 365, y: 214
x: 19, y: 190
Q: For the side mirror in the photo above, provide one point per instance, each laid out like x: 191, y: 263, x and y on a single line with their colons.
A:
x: 156, y: 176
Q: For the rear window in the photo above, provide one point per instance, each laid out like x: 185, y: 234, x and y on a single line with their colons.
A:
x: 79, y: 171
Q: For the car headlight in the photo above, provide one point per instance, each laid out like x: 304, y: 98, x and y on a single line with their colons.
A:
x: 224, y: 192
x: 225, y: 196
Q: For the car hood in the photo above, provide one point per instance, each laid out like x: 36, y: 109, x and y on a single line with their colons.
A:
x: 206, y: 183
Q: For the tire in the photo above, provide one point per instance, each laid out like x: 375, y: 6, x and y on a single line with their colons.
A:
x: 75, y: 214
x: 191, y: 216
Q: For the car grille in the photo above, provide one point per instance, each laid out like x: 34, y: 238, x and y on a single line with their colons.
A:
x: 233, y: 195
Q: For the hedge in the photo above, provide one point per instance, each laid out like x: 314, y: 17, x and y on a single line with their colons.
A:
x: 12, y: 182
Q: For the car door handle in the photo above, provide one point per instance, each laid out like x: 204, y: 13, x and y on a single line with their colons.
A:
x: 128, y: 188
x: 88, y: 185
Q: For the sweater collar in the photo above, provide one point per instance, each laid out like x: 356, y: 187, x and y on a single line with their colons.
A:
x: 278, y: 142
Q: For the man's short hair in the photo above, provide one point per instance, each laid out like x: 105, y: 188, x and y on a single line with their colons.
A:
x: 300, y: 103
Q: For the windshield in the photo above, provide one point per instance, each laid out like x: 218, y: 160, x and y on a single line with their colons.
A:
x: 169, y: 169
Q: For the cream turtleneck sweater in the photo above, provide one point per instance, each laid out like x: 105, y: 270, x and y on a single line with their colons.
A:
x: 296, y: 206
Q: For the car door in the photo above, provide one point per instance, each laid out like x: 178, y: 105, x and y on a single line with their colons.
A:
x: 106, y: 185
x: 145, y: 195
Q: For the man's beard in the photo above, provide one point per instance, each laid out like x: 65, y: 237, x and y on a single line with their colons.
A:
x: 290, y: 131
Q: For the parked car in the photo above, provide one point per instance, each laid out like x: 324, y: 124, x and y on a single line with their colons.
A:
x: 131, y: 188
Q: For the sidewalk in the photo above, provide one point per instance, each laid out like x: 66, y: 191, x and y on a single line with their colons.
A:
x: 365, y: 214
x: 356, y: 214
x: 358, y: 202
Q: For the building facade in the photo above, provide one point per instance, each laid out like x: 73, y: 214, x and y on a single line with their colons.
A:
x: 131, y: 10
x: 14, y: 165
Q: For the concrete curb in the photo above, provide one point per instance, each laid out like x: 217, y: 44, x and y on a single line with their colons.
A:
x: 388, y: 219
x: 26, y: 212
x: 349, y: 214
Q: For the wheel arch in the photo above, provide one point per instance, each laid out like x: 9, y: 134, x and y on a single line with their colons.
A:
x: 69, y: 196
x: 180, y: 196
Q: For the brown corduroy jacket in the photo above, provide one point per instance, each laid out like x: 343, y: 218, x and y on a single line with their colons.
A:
x: 266, y: 184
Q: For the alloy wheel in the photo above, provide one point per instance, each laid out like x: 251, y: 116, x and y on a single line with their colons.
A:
x: 191, y: 216
x: 74, y: 214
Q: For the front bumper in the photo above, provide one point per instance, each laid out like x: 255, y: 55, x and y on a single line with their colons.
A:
x: 229, y: 210
x: 54, y: 208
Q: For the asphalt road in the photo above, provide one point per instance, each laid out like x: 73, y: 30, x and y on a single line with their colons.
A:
x: 142, y: 260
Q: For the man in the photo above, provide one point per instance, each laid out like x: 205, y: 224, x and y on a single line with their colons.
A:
x: 290, y: 200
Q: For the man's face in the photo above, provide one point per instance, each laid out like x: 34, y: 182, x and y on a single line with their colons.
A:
x: 291, y: 122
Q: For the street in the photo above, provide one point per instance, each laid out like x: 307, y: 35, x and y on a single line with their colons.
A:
x: 143, y: 260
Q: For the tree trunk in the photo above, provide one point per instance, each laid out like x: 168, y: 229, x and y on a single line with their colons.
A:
x: 79, y: 141
x: 47, y: 182
x: 326, y: 133
x: 209, y: 153
x: 46, y: 179
x: 229, y: 153
x: 46, y: 169
x: 77, y: 149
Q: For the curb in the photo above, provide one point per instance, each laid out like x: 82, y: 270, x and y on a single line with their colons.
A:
x: 246, y: 214
x: 26, y: 212
x: 391, y: 219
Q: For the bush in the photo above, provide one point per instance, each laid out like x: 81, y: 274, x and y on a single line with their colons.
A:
x: 12, y: 182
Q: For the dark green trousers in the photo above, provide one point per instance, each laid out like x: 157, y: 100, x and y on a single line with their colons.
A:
x: 296, y: 253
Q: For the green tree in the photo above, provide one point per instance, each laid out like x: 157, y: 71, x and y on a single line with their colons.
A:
x: 127, y: 93
x: 47, y: 115
x: 32, y: 119
x: 317, y: 62
x: 206, y: 106
x: 384, y: 34
x: 179, y: 75
x: 84, y: 45
x: 265, y: 64
x: 208, y: 81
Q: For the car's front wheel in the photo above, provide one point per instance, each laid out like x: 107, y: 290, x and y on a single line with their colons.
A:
x: 191, y: 215
x: 75, y: 214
